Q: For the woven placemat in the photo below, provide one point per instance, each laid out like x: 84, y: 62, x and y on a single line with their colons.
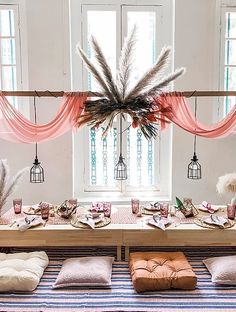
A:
x: 76, y: 223
x: 201, y: 223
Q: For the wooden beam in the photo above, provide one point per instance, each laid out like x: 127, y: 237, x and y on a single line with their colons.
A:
x: 48, y: 93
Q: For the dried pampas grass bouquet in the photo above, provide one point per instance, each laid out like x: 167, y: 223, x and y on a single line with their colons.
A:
x: 227, y: 184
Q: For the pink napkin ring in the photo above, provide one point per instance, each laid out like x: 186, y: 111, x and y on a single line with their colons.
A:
x: 97, y: 206
x: 206, y: 205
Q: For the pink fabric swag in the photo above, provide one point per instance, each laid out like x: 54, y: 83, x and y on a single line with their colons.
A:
x: 15, y: 127
x: 176, y: 109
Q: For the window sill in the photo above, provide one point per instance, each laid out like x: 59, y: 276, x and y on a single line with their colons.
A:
x: 125, y: 200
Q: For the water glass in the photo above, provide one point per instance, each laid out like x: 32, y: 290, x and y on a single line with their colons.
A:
x: 17, y: 204
x: 135, y: 205
x: 72, y: 203
x: 44, y: 210
x: 164, y: 209
x: 107, y: 209
x: 231, y: 211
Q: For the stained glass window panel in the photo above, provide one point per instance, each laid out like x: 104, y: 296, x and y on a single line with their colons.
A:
x: 103, y: 156
x: 140, y: 159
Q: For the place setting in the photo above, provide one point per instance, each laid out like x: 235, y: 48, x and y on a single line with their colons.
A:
x: 94, y: 219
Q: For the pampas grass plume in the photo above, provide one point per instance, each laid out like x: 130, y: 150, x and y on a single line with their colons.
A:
x: 226, y: 183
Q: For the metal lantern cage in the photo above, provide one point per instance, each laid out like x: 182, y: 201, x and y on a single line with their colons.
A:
x: 120, y: 172
x: 36, y: 172
x: 194, y: 168
x: 120, y: 169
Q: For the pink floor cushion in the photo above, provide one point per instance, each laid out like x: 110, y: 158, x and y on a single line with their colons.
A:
x: 85, y: 271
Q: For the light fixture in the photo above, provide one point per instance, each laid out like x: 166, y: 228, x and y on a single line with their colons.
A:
x: 120, y: 172
x: 194, y: 168
x: 36, y: 172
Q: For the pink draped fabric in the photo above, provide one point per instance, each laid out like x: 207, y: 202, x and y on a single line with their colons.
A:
x: 15, y: 127
x: 176, y: 109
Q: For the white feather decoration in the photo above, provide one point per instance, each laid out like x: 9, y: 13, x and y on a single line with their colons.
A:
x: 226, y: 183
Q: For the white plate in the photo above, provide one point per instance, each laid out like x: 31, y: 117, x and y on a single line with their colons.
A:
x: 96, y: 220
x: 150, y: 207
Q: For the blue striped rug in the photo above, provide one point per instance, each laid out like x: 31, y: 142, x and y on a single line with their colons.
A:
x: 121, y: 296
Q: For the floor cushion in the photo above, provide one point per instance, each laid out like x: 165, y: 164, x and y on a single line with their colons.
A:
x: 222, y: 269
x: 21, y: 271
x: 85, y: 271
x: 161, y: 270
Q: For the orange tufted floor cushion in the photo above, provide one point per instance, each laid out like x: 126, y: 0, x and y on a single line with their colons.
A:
x: 161, y: 270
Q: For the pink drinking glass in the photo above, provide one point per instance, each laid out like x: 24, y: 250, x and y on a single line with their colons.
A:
x: 107, y: 209
x: 44, y: 210
x: 17, y: 204
x: 164, y: 209
x: 231, y: 211
x: 135, y: 205
x: 72, y: 203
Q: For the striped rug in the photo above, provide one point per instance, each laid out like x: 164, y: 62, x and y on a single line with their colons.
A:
x: 121, y: 296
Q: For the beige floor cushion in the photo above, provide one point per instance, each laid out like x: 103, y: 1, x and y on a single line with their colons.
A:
x: 222, y: 269
x: 21, y: 271
x: 161, y: 270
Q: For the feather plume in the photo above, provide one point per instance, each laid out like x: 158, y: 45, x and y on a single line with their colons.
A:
x: 226, y: 184
x: 165, y: 82
x: 4, y: 174
x: 96, y: 74
x: 105, y: 69
x: 125, y: 63
x: 148, y: 77
x: 12, y: 186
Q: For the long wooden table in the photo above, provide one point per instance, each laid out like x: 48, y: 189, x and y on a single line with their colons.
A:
x: 118, y: 235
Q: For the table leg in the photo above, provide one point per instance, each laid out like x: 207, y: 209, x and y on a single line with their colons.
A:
x: 118, y: 253
x: 126, y: 253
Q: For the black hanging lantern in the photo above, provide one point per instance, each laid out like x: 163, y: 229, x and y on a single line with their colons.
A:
x: 36, y: 172
x: 121, y: 169
x: 194, y: 168
x: 120, y: 172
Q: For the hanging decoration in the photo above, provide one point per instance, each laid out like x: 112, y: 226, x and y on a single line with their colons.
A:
x: 175, y: 109
x: 116, y: 95
x: 37, y: 171
x: 121, y: 167
x: 194, y: 168
x: 14, y: 127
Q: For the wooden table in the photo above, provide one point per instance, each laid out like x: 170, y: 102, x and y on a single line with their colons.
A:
x: 118, y: 235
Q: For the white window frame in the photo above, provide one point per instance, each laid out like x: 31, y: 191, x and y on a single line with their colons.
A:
x: 19, y: 8
x: 222, y: 6
x: 79, y: 141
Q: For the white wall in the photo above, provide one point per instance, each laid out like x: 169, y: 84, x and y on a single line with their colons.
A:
x: 195, y: 44
x: 48, y: 50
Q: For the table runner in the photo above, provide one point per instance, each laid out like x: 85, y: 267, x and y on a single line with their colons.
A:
x: 119, y: 215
